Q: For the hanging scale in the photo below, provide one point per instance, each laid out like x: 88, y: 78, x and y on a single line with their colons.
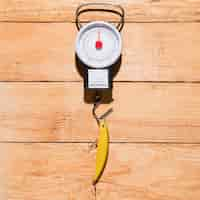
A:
x: 98, y: 49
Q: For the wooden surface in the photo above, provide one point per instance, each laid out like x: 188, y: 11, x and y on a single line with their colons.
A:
x: 56, y: 112
x: 43, y: 171
x: 47, y: 131
x: 136, y: 11
x: 151, y: 52
x: 151, y: 172
x: 134, y: 171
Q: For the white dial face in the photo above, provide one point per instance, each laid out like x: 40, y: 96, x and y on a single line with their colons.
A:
x: 98, y: 45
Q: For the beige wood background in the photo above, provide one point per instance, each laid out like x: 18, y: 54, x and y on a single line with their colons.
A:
x: 47, y: 130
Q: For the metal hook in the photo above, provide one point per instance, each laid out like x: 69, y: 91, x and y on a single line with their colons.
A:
x: 104, y: 115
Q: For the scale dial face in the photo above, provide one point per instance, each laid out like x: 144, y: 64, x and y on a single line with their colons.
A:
x: 98, y: 44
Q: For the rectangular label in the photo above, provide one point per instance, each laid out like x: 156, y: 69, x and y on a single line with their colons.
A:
x: 98, y: 78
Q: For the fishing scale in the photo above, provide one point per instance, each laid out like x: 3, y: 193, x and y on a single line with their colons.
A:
x: 98, y: 48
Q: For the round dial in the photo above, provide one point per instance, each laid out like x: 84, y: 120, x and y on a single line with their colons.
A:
x: 98, y: 44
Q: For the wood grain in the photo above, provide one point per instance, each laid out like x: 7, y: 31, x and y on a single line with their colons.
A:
x: 64, y: 171
x: 46, y: 171
x: 151, y: 172
x: 46, y: 129
x: 151, y: 112
x: 64, y: 10
x: 151, y: 52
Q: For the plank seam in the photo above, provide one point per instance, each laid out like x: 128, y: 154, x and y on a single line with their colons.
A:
x: 89, y: 142
x: 128, y: 22
x: 77, y: 81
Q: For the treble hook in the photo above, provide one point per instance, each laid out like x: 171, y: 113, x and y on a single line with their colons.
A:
x: 95, y: 106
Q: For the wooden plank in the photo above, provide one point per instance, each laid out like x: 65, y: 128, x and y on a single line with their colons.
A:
x: 151, y: 172
x: 134, y: 171
x: 44, y: 171
x: 64, y: 10
x: 151, y: 112
x: 151, y: 52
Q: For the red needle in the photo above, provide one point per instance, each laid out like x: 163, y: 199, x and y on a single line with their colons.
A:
x: 99, y: 43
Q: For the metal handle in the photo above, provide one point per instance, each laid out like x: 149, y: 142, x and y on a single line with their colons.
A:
x: 116, y: 9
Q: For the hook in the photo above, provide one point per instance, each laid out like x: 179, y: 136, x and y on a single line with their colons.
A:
x: 104, y: 115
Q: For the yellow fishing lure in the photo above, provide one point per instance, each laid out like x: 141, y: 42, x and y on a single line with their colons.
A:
x: 102, y: 150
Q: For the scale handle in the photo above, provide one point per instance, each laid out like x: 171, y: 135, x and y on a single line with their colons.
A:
x: 102, y: 7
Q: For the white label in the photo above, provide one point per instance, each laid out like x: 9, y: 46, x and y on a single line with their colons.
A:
x: 98, y: 78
